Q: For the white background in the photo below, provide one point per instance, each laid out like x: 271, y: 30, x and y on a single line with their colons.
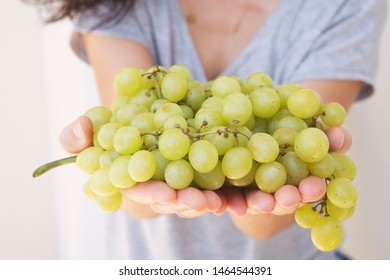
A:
x: 43, y: 86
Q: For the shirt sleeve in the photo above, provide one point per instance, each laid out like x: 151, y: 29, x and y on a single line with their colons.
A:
x: 131, y: 24
x: 347, y: 48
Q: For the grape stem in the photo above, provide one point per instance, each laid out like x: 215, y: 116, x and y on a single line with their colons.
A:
x: 50, y: 165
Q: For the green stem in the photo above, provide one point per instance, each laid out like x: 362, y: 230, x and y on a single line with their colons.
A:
x: 50, y: 165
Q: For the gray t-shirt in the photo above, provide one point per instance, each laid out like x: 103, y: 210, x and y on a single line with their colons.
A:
x: 302, y: 40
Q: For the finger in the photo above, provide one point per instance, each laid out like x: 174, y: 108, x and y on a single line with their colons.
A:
x: 340, y: 140
x: 150, y: 192
x: 77, y: 136
x: 189, y: 214
x: 287, y: 200
x: 260, y: 202
x: 312, y: 189
x: 192, y: 199
x: 222, y: 209
x: 235, y: 201
x: 213, y: 200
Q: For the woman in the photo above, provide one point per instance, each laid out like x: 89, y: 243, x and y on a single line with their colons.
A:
x: 329, y: 47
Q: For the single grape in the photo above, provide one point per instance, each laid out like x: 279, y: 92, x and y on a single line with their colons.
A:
x: 333, y: 114
x: 261, y: 125
x: 180, y: 70
x: 304, y: 103
x: 296, y: 168
x: 203, y: 156
x: 110, y: 204
x: 98, y: 115
x: 221, y: 139
x: 311, y: 145
x: 327, y: 233
x: 206, y: 118
x: 292, y: 122
x: 179, y: 174
x: 88, y: 191
x: 105, y: 135
x: 323, y: 168
x: 107, y: 158
x: 118, y: 102
x: 263, y: 147
x: 250, y: 124
x: 340, y: 214
x: 144, y: 122
x: 285, y: 91
x: 285, y: 136
x: 236, y: 107
x: 265, y: 102
x: 128, y: 81
x: 88, y: 160
x: 162, y: 163
x: 274, y: 121
x: 127, y: 112
x: 270, y: 176
x: 211, y: 180
x: 175, y: 122
x: 242, y: 135
x: 237, y: 162
x: 127, y: 140
x: 342, y: 193
x: 165, y: 111
x: 306, y: 215
x: 142, y: 166
x: 119, y: 173
x: 188, y: 113
x: 156, y: 104
x: 248, y: 179
x: 195, y: 95
x: 344, y: 167
x: 144, y: 97
x: 224, y: 86
x: 174, y: 87
x: 174, y: 144
x: 101, y: 184
x: 256, y: 80
x: 213, y: 102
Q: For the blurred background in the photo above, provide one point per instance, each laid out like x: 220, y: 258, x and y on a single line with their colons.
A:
x: 43, y: 87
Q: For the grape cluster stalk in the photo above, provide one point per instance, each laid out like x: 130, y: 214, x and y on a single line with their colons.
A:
x: 163, y: 125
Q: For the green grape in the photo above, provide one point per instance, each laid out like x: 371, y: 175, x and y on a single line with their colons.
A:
x: 256, y: 80
x: 191, y: 123
x: 98, y: 115
x: 240, y: 81
x: 242, y: 135
x: 174, y: 87
x: 150, y: 141
x: 118, y: 102
x: 323, y: 168
x: 224, y: 86
x: 270, y: 176
x: 342, y: 193
x: 156, y: 104
x: 274, y: 121
x: 250, y: 124
x: 101, y: 184
x: 333, y: 114
x: 306, y: 215
x: 285, y: 136
x: 211, y: 180
x: 206, y: 118
x: 263, y: 147
x: 237, y: 162
x: 195, y: 95
x: 261, y: 125
x: 236, y: 107
x: 175, y: 122
x: 221, y: 139
x: 285, y: 91
x: 203, y: 156
x: 119, y: 174
x: 127, y: 140
x: 128, y: 81
x: 179, y: 174
x: 188, y: 113
x: 144, y: 97
x: 180, y: 70
x: 213, y: 102
x: 88, y: 159
x: 162, y: 163
x: 340, y: 214
x: 292, y: 122
x: 110, y: 204
x: 174, y: 144
x: 142, y: 166
x: 344, y: 166
x: 304, y: 103
x: 107, y: 158
x: 327, y: 233
x: 265, y: 102
x: 248, y: 179
x: 157, y: 73
x: 127, y: 112
x: 88, y: 191
x: 165, y: 111
x: 296, y: 169
x: 105, y: 135
x: 144, y: 122
x: 311, y: 145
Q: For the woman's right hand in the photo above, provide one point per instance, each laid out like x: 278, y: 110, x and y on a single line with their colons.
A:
x: 151, y: 198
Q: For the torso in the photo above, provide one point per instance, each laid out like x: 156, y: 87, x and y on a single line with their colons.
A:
x: 222, y: 29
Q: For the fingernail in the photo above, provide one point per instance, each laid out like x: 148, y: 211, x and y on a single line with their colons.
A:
x: 78, y: 130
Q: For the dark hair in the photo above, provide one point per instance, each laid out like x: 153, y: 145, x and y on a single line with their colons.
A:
x: 55, y: 10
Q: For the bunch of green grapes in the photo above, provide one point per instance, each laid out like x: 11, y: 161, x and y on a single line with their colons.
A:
x: 163, y: 125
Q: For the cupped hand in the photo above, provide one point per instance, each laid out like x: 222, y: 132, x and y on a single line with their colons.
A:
x: 288, y: 198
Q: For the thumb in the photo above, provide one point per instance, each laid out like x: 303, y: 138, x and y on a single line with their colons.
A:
x: 77, y: 136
